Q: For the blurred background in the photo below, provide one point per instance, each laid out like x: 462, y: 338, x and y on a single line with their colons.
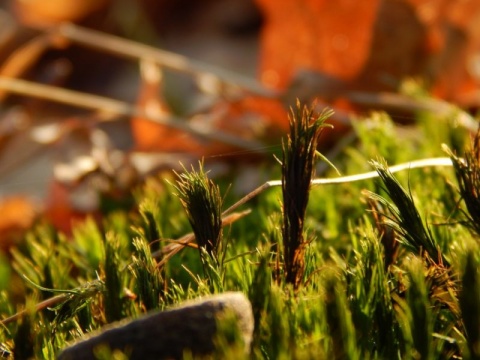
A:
x: 96, y: 95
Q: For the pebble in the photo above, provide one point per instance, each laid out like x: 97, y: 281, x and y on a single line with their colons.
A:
x: 192, y: 326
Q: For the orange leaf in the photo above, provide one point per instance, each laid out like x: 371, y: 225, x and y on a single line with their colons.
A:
x: 51, y: 12
x: 18, y: 215
x: 328, y: 36
x: 373, y: 45
x: 59, y: 210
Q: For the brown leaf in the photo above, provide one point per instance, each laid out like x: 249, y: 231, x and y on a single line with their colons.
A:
x: 24, y: 58
x: 59, y: 209
x: 47, y: 13
x: 328, y: 36
x: 18, y: 215
x: 150, y: 136
x: 373, y: 45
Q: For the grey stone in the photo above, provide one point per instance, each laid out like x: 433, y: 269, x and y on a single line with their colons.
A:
x: 168, y: 334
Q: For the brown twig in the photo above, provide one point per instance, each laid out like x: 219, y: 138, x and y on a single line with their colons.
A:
x: 135, y: 50
x: 167, y: 252
x: 116, y: 107
x: 38, y: 307
x: 394, y: 101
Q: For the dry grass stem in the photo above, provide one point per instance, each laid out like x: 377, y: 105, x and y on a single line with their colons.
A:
x: 416, y: 164
x: 135, y: 50
x: 118, y: 108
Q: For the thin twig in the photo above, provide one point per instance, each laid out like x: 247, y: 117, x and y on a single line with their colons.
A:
x: 132, y: 49
x: 38, y: 307
x: 252, y: 194
x: 135, y: 50
x: 430, y: 162
x: 402, y: 102
x: 423, y: 163
x: 171, y: 249
x: 116, y: 107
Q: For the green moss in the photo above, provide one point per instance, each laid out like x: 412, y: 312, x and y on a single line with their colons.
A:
x: 374, y: 284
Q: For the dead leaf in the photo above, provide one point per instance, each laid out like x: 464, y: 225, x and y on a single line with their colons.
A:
x: 373, y: 45
x: 60, y: 210
x: 332, y: 37
x: 51, y: 12
x: 18, y: 216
